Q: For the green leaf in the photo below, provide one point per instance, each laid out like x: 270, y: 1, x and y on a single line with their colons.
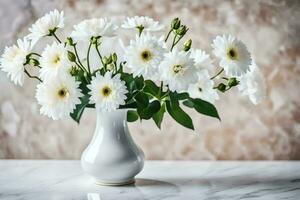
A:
x: 182, y: 96
x: 158, y: 117
x: 179, y: 115
x: 77, y: 113
x: 142, y: 99
x: 139, y: 82
x: 148, y: 112
x: 151, y: 88
x: 128, y: 105
x: 132, y: 116
x: 205, y: 108
x: 188, y: 103
x: 129, y: 81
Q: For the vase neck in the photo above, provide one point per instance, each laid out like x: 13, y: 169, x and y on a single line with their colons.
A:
x: 112, y: 116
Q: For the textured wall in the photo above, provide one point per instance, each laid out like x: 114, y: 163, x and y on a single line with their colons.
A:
x: 271, y: 30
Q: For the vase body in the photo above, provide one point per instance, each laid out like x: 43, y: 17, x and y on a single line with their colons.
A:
x: 112, y: 157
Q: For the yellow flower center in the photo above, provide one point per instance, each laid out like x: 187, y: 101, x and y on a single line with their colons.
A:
x: 178, y: 69
x: 106, y: 91
x: 56, y: 59
x: 63, y: 93
x: 232, y: 53
x: 146, y: 55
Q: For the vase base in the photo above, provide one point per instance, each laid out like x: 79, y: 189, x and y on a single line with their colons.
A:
x: 121, y: 183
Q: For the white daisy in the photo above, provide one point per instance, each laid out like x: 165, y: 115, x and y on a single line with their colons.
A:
x: 178, y: 70
x: 58, y: 97
x: 13, y: 59
x: 252, y: 84
x: 43, y: 26
x: 148, y: 24
x: 93, y: 28
x: 203, y: 89
x: 144, y: 55
x: 54, y: 61
x: 107, y: 92
x: 202, y: 59
x: 233, y: 54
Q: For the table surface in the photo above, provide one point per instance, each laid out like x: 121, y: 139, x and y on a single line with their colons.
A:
x: 63, y: 179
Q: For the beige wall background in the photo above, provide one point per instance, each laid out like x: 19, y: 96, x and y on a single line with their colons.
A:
x: 271, y: 30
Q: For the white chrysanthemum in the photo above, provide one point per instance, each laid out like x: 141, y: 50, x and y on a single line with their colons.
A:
x: 147, y: 23
x: 54, y: 61
x: 203, y: 89
x: 93, y: 28
x: 144, y: 55
x: 233, y: 54
x: 44, y: 25
x: 202, y: 59
x: 13, y: 59
x: 58, y: 97
x: 252, y: 84
x: 107, y: 92
x: 178, y: 70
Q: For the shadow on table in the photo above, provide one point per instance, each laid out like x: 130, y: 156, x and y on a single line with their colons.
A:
x: 141, y: 189
x: 234, y: 181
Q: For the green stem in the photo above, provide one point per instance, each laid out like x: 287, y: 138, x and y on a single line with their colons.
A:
x: 173, y: 42
x: 225, y: 78
x: 30, y: 76
x: 83, y: 69
x: 99, y: 54
x: 56, y: 37
x: 76, y: 53
x: 167, y: 93
x: 178, y: 40
x: 88, y: 58
x: 35, y: 54
x: 168, y: 35
x: 220, y: 72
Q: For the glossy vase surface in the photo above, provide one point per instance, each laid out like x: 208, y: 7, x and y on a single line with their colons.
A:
x: 112, y: 157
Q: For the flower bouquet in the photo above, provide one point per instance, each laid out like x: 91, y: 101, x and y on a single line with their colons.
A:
x: 155, y: 74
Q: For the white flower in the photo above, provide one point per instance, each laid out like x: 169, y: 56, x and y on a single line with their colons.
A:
x: 54, y: 61
x: 107, y: 92
x: 147, y: 23
x: 203, y: 89
x: 178, y: 70
x: 233, y: 54
x: 43, y: 26
x: 252, y: 84
x: 58, y: 97
x: 144, y: 55
x: 13, y: 59
x: 93, y: 28
x: 202, y: 59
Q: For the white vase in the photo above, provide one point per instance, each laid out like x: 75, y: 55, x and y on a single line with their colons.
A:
x: 112, y: 157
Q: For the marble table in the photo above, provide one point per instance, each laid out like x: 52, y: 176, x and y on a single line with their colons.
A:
x: 187, y: 180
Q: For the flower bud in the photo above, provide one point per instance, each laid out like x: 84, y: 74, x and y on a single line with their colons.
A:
x: 181, y: 30
x: 233, y: 82
x: 187, y: 45
x: 114, y: 57
x: 110, y: 67
x: 107, y: 60
x: 93, y: 40
x: 175, y: 24
x: 70, y: 41
x: 104, y: 59
x: 71, y: 56
x: 73, y: 71
x: 33, y: 62
x: 222, y: 87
